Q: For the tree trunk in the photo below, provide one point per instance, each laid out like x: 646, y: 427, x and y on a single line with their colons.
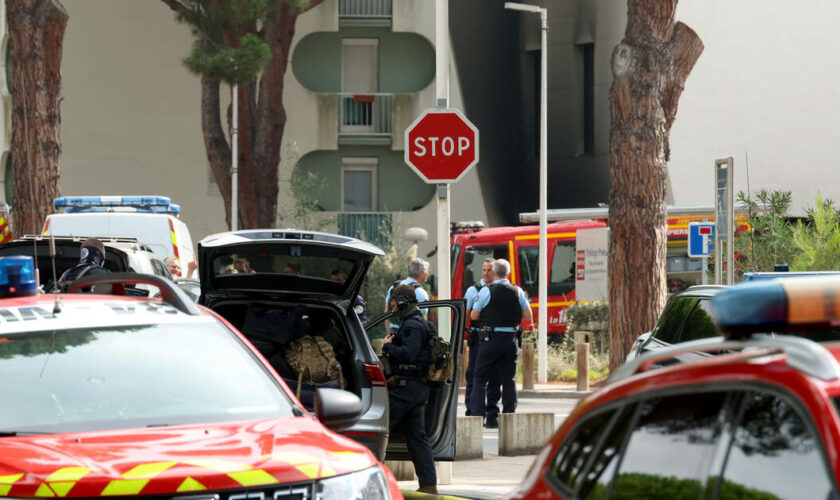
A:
x: 36, y: 35
x: 649, y: 67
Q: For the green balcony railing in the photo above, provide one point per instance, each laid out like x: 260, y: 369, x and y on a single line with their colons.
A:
x: 373, y: 227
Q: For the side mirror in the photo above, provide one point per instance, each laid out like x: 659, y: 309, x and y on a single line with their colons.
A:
x: 469, y: 255
x: 337, y: 409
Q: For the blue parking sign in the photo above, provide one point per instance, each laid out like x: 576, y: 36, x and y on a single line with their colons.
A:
x: 701, y: 239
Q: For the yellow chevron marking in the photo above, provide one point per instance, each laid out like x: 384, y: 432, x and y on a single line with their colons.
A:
x: 327, y: 471
x: 68, y: 474
x: 62, y: 488
x: 311, y: 470
x: 124, y: 487
x: 149, y: 470
x: 5, y: 488
x: 44, y: 491
x: 220, y: 465
x: 257, y: 477
x: 11, y: 479
x: 294, y: 457
x: 550, y: 235
x: 190, y: 484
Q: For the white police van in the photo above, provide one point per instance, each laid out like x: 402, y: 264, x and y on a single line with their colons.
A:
x: 153, y: 220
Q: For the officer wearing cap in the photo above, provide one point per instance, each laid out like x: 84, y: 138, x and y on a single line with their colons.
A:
x: 408, y: 352
x: 494, y: 383
x: 500, y: 307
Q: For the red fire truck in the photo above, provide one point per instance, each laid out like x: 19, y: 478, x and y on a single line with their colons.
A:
x: 470, y: 244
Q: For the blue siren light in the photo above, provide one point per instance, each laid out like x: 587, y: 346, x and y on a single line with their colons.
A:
x: 17, y: 276
x: 112, y: 201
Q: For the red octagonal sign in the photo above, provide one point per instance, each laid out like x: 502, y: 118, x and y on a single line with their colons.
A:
x: 441, y: 145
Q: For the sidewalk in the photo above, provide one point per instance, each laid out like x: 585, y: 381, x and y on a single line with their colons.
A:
x: 493, y: 476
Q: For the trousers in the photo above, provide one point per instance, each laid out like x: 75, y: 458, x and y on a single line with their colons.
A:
x: 498, y: 355
x: 494, y: 383
x: 408, y: 408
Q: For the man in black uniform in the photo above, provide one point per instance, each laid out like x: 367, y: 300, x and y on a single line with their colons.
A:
x: 500, y: 307
x: 409, y: 351
x: 91, y: 263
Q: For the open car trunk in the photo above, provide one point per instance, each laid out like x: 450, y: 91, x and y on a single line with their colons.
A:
x: 271, y: 325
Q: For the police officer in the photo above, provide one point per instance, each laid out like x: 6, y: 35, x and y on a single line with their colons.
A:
x: 409, y: 351
x: 91, y: 263
x: 494, y: 383
x: 418, y: 272
x: 500, y: 307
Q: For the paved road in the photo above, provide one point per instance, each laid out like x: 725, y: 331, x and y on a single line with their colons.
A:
x: 493, y: 476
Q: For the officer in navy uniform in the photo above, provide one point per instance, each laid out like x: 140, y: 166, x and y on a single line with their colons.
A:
x: 494, y: 392
x: 500, y: 307
x: 409, y: 355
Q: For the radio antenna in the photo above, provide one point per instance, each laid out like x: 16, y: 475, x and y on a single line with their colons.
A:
x: 57, y: 303
x: 37, y: 271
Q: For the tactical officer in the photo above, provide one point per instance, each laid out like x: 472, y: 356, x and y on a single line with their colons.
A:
x: 500, y: 307
x: 408, y: 352
x: 418, y: 272
x: 494, y: 383
x: 91, y: 263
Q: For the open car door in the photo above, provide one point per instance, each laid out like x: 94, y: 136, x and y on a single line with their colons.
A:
x: 442, y: 407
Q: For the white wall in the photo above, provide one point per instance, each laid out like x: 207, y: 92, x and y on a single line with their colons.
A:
x: 765, y: 88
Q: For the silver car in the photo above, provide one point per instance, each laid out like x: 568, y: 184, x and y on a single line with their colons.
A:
x: 259, y: 279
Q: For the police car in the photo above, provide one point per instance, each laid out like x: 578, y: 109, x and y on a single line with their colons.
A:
x: 759, y: 420
x: 109, y: 395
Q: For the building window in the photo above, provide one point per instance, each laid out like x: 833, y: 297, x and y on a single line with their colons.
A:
x: 358, y: 184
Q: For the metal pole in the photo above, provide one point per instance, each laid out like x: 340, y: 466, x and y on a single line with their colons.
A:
x: 543, y: 286
x: 234, y: 162
x: 443, y: 190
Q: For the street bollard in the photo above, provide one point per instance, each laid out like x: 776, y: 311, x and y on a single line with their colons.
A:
x: 528, y: 366
x: 582, y: 367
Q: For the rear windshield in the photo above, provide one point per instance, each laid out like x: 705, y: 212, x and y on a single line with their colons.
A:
x: 309, y: 262
x: 129, y: 377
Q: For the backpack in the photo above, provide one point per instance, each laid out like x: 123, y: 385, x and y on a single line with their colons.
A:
x: 415, y: 285
x: 314, y: 361
x: 440, y: 357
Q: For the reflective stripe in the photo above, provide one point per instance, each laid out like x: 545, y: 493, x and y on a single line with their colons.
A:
x: 190, y: 484
x: 68, y: 474
x: 124, y: 487
x: 6, y: 482
x: 257, y: 477
x: 221, y: 465
x: 62, y: 488
x: 44, y: 491
x: 552, y: 235
x: 174, y: 240
x: 149, y: 470
x: 512, y: 265
x: 311, y: 470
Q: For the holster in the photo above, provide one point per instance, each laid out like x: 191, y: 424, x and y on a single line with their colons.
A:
x: 472, y: 337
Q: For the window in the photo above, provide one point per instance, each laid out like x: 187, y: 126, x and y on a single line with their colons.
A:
x: 562, y: 278
x: 472, y: 271
x: 699, y: 324
x: 529, y: 272
x: 358, y: 184
x: 574, y: 452
x: 671, y: 447
x: 160, y: 269
x: 588, y: 53
x: 601, y: 466
x: 670, y: 323
x: 774, y: 454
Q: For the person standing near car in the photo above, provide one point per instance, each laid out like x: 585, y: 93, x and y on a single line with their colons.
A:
x: 418, y: 272
x: 500, y: 307
x: 409, y: 354
x: 173, y: 266
x: 494, y: 382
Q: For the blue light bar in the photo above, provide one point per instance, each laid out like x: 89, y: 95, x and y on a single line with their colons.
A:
x: 112, y: 201
x: 17, y: 276
x: 171, y: 209
x: 754, y: 307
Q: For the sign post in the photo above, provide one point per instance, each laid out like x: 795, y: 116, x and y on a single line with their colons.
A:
x: 724, y: 220
x: 701, y: 242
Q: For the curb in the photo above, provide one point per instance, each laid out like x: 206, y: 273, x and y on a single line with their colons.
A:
x: 534, y: 394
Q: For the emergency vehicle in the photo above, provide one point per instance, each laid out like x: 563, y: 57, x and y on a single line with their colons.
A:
x: 109, y: 395
x: 151, y: 219
x: 471, y: 243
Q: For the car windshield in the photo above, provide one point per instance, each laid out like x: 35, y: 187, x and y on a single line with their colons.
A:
x: 131, y: 376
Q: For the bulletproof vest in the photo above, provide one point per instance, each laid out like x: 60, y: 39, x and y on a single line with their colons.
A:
x: 418, y: 326
x: 503, y: 308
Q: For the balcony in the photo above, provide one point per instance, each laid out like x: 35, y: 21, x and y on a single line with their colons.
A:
x: 364, y: 119
x: 373, y: 227
x: 364, y: 13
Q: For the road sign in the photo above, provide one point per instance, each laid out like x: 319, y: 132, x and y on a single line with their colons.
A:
x: 701, y: 239
x: 441, y: 145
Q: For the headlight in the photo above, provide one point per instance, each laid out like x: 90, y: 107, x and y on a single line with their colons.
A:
x: 363, y: 485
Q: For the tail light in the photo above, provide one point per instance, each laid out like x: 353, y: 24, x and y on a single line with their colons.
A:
x: 374, y: 373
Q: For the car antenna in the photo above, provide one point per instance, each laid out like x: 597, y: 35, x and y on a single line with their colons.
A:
x: 57, y: 304
x: 37, y: 271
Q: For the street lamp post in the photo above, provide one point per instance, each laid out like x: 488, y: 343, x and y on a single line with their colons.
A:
x: 234, y: 162
x: 542, y: 322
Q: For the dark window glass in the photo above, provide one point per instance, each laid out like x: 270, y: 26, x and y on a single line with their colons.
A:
x: 160, y: 270
x: 562, y: 273
x: 576, y: 451
x: 601, y: 467
x: 671, y: 447
x: 472, y: 271
x: 670, y: 323
x: 774, y: 454
x: 699, y: 324
x: 529, y: 271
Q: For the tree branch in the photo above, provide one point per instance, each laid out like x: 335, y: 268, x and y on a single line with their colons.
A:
x: 175, y: 5
x: 215, y: 143
x: 685, y: 47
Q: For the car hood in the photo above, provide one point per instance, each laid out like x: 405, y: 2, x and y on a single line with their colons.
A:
x: 268, y: 255
x: 166, y: 460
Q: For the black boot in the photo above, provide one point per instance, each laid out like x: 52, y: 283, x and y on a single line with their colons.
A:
x: 429, y: 488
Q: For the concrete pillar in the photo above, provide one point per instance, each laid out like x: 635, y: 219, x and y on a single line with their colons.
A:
x: 444, y: 472
x: 403, y: 469
x: 469, y: 438
x: 527, y: 366
x: 524, y: 433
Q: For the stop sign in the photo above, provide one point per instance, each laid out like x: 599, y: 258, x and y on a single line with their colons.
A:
x: 441, y: 145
